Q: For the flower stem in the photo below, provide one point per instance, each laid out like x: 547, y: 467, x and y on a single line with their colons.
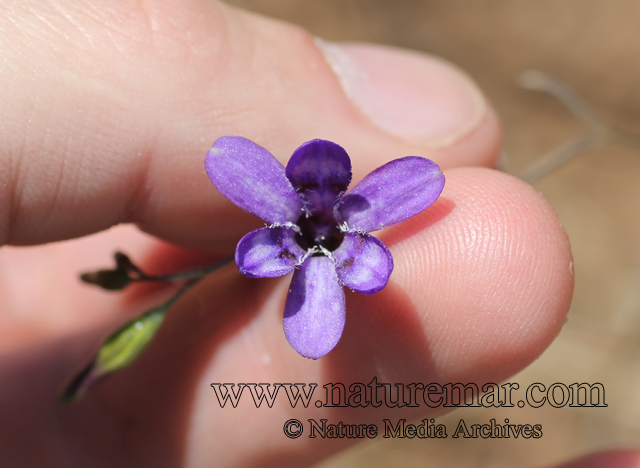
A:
x: 195, y: 274
x: 127, y: 272
x: 599, y: 133
x: 125, y: 344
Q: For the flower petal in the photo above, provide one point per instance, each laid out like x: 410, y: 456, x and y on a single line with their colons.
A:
x: 268, y: 252
x: 249, y: 176
x: 314, y: 313
x: 319, y: 170
x: 363, y: 263
x: 392, y: 193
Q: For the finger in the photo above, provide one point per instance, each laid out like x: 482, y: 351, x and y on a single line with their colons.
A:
x: 41, y: 295
x: 481, y: 286
x: 610, y: 459
x: 109, y: 108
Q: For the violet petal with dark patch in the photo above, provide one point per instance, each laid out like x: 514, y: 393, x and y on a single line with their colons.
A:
x: 268, y: 252
x: 363, y: 263
x: 314, y: 313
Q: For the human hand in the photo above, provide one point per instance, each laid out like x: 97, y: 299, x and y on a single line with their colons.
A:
x: 108, y: 111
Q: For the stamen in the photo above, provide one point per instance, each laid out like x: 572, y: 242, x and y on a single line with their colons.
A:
x: 321, y: 232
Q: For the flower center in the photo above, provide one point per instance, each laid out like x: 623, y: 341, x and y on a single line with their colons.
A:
x: 319, y: 231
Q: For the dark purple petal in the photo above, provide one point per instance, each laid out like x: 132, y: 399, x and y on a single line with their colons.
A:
x: 314, y: 313
x: 268, y: 252
x: 392, y: 193
x: 320, y: 170
x: 249, y: 176
x: 363, y: 263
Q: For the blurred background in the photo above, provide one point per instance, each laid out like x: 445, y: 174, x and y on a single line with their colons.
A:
x: 594, y: 46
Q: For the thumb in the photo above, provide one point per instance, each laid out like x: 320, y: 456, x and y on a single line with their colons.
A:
x: 109, y: 108
x: 611, y: 459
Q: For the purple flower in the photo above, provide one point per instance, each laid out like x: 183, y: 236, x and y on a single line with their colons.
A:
x: 317, y: 229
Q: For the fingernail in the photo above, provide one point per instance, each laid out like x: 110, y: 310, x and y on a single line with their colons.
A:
x: 417, y: 97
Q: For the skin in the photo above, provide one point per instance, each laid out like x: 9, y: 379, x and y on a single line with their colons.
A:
x: 107, y: 121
